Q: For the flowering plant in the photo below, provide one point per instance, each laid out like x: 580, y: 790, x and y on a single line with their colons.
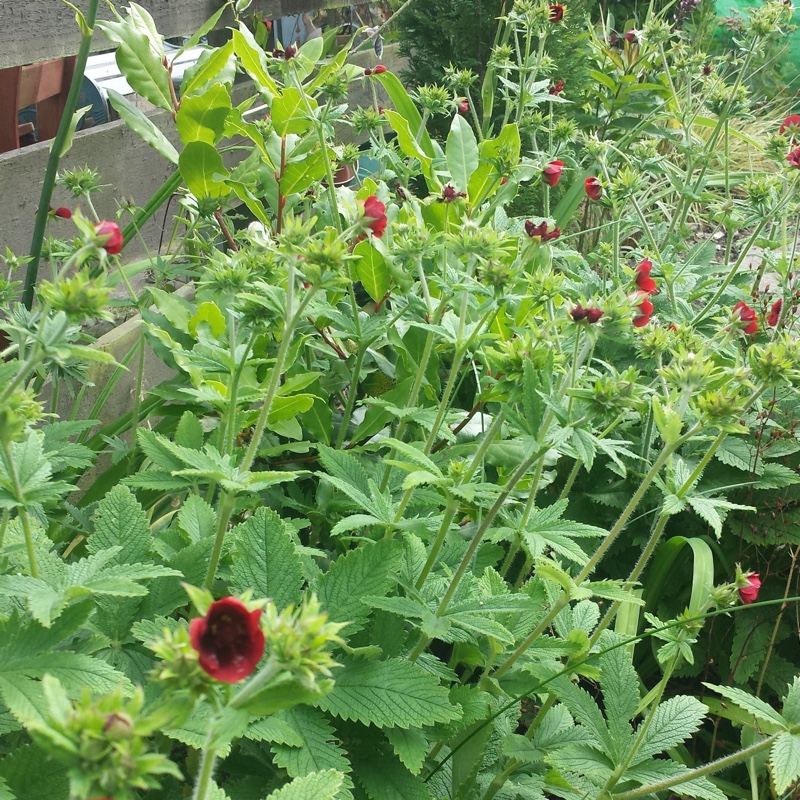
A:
x: 468, y: 454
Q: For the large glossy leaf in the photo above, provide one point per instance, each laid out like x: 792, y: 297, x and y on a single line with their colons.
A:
x: 202, y: 116
x: 202, y: 169
x: 371, y: 270
x: 253, y: 60
x: 141, y: 66
x: 461, y: 152
x: 289, y: 113
x: 216, y: 65
x: 142, y: 125
x: 406, y: 108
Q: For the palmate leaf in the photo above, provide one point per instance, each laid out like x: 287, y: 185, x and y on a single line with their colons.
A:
x: 388, y: 694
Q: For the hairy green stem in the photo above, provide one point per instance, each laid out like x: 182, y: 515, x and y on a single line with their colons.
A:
x: 351, y: 395
x: 22, y: 510
x: 708, y: 769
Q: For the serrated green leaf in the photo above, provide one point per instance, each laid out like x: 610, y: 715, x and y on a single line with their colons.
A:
x: 319, y: 750
x: 120, y: 521
x: 753, y: 705
x: 674, y: 721
x: 197, y: 519
x: 314, y: 786
x: 369, y: 570
x: 784, y: 760
x: 346, y: 467
x: 388, y: 694
x: 383, y: 777
x: 266, y: 560
x: 410, y: 746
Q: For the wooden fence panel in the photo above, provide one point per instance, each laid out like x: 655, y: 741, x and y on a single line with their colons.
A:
x: 35, y: 30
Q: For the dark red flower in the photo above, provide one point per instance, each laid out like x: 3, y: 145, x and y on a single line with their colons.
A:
x: 791, y: 124
x: 556, y: 88
x: 645, y: 310
x: 375, y: 215
x: 62, y: 212
x: 229, y: 640
x: 552, y: 172
x: 630, y: 37
x: 707, y: 69
x: 113, y: 242
x: 541, y: 232
x: 747, y: 315
x: 591, y: 315
x: 368, y: 71
x: 556, y: 12
x: 379, y: 69
x: 463, y: 105
x: 774, y: 316
x: 643, y: 279
x: 289, y: 52
x: 794, y: 157
x: 749, y: 594
x: 593, y: 188
x: 449, y: 194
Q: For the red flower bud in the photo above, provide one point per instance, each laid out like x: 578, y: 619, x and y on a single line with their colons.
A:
x: 375, y: 215
x: 379, y: 69
x: 747, y: 315
x: 774, y: 316
x: 791, y: 123
x: 593, y: 188
x: 552, y: 173
x: 229, y: 640
x: 645, y: 310
x: 368, y: 71
x: 556, y: 88
x: 591, y: 315
x: 749, y: 594
x: 449, y: 194
x: 463, y: 105
x: 113, y: 241
x: 630, y: 37
x: 62, y: 212
x: 556, y: 12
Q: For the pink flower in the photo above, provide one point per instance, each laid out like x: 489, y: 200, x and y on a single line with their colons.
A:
x: 749, y: 594
x: 229, y: 640
x: 643, y: 279
x: 375, y: 215
x: 541, y: 232
x: 747, y: 315
x: 113, y: 236
x: 593, y: 188
x: 463, y: 105
x: 791, y: 124
x: 552, y: 172
x: 774, y: 316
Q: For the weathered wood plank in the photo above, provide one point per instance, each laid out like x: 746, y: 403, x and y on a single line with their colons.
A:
x: 35, y: 30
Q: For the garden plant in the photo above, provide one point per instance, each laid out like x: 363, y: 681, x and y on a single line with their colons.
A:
x: 449, y: 496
